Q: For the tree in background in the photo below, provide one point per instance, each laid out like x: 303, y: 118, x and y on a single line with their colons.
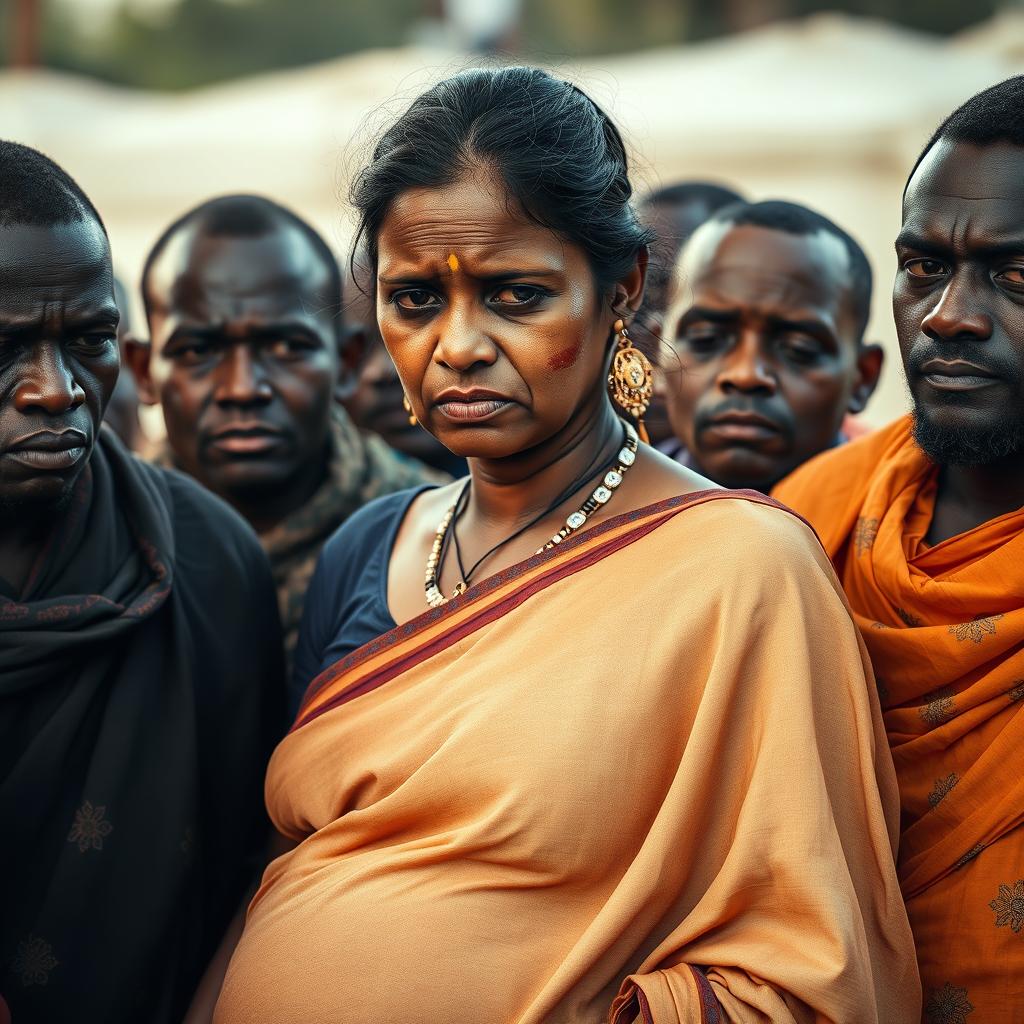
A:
x: 197, y: 42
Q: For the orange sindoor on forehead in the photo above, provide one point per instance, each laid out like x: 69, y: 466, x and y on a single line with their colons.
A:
x: 453, y: 262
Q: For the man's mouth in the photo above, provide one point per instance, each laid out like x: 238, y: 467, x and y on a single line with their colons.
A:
x: 741, y: 427
x: 246, y: 439
x: 50, y: 450
x: 957, y: 375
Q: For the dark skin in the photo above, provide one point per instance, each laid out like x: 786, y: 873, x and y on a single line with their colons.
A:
x: 375, y: 403
x: 768, y: 358
x: 122, y: 413
x: 672, y: 224
x: 958, y: 301
x: 244, y: 361
x: 58, y: 367
x: 503, y: 352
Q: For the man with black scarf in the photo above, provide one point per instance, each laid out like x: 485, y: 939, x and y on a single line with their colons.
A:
x: 140, y: 656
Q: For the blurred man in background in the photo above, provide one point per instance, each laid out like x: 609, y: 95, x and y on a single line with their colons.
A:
x: 673, y: 213
x: 375, y: 403
x: 765, y: 337
x: 924, y: 521
x: 247, y: 357
x: 122, y: 415
x: 141, y: 677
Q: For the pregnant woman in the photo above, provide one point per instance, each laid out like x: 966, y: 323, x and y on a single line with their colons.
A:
x: 583, y: 738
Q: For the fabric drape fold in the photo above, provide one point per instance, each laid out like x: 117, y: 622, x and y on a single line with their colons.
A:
x: 945, y: 629
x: 637, y: 774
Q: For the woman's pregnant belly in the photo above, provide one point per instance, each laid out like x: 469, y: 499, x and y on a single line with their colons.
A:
x: 399, y: 936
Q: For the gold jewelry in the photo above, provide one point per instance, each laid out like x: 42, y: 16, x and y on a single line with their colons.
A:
x: 602, y: 493
x: 434, y: 596
x: 632, y: 378
x: 601, y: 496
x: 407, y: 406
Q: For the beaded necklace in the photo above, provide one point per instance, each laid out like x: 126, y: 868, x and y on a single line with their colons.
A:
x: 601, y: 496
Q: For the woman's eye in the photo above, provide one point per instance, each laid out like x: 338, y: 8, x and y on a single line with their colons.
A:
x: 415, y: 299
x: 924, y: 269
x: 516, y: 295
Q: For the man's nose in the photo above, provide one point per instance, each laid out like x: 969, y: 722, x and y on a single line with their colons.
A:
x: 241, y: 378
x: 48, y: 383
x: 956, y: 315
x: 745, y: 367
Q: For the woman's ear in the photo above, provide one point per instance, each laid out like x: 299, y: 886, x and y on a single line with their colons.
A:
x: 628, y: 294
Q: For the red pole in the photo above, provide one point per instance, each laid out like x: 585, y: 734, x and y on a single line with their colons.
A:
x: 25, y: 34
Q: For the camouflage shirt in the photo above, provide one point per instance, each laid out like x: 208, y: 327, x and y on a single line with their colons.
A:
x: 361, y: 467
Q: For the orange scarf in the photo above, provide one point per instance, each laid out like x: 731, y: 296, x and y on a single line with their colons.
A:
x: 945, y: 629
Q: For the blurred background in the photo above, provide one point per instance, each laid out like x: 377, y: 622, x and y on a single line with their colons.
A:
x: 154, y: 105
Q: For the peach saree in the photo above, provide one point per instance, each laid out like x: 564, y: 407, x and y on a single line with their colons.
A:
x: 635, y: 777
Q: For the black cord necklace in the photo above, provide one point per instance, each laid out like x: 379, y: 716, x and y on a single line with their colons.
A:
x: 463, y: 501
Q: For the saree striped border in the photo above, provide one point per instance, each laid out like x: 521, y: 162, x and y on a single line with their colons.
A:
x: 401, y: 648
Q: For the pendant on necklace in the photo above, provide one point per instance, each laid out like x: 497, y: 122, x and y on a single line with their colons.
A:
x: 460, y: 589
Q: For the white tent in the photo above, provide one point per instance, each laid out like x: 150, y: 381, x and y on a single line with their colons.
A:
x: 829, y: 111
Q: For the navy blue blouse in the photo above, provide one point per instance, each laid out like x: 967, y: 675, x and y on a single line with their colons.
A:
x: 347, y: 601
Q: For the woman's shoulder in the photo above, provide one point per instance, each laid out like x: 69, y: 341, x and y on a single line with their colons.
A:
x: 742, y: 533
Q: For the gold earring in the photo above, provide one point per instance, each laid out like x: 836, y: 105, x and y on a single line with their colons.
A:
x: 407, y: 406
x: 631, y: 379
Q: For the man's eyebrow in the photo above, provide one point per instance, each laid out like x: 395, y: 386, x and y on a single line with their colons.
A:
x: 910, y: 239
x: 717, y: 316
x: 809, y: 325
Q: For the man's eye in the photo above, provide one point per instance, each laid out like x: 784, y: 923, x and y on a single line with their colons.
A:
x: 702, y: 339
x: 516, y: 295
x: 290, y: 348
x: 801, y: 349
x: 95, y: 344
x: 924, y: 269
x: 192, y: 352
x: 1013, y: 276
x: 415, y: 299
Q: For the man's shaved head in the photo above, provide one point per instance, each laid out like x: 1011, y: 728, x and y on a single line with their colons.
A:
x: 243, y: 216
x: 34, y: 190
x: 247, y: 354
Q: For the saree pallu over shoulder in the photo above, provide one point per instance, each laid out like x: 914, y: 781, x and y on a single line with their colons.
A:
x: 635, y: 777
x: 389, y: 655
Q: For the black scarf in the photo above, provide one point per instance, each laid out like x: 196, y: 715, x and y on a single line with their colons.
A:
x: 119, y: 865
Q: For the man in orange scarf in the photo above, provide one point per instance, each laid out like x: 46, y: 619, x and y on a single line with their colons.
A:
x: 925, y: 524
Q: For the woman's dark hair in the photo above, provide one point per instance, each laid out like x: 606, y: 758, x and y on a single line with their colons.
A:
x: 560, y: 157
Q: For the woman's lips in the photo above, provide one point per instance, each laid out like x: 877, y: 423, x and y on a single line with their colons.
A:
x: 473, y: 410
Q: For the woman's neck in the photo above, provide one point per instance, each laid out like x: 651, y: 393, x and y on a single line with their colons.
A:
x: 507, y: 493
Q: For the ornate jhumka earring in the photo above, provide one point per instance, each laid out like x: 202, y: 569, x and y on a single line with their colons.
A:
x: 632, y: 378
x: 407, y: 406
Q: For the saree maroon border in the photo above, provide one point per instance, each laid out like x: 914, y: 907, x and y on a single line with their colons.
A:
x: 636, y: 1005
x: 564, y: 568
